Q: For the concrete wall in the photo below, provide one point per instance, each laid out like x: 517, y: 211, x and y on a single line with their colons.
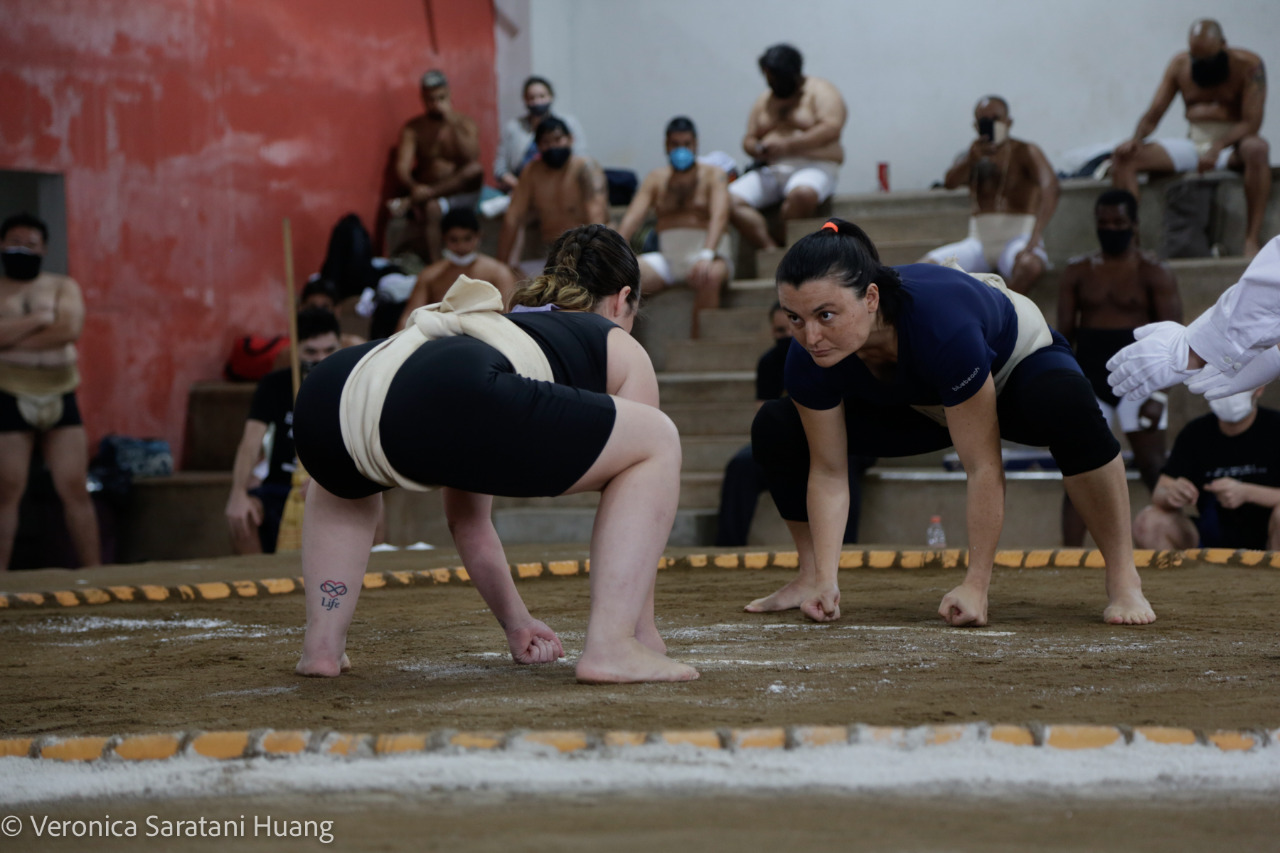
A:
x: 186, y: 130
x: 1074, y: 73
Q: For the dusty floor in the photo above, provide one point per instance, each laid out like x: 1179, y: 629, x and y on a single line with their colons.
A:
x: 432, y: 657
x: 478, y: 821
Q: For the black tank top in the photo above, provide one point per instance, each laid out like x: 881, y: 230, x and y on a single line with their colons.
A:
x: 575, y: 343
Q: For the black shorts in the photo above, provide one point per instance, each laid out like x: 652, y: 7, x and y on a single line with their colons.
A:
x: 1047, y: 402
x: 457, y: 415
x: 11, y: 419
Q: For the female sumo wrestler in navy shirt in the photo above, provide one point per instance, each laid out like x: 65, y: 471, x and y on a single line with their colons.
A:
x: 894, y: 361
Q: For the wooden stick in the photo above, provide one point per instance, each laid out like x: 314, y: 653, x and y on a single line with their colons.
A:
x: 291, y: 308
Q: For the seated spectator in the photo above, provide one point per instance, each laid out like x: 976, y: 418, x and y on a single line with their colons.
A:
x: 1224, y: 91
x: 323, y: 294
x: 256, y: 504
x: 517, y: 147
x: 691, y: 202
x: 1227, y: 465
x: 1014, y: 193
x: 564, y: 189
x: 460, y: 230
x: 793, y: 137
x: 1102, y: 298
x: 41, y: 317
x: 744, y: 479
x: 438, y: 161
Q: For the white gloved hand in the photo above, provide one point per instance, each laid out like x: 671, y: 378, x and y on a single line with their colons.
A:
x: 368, y: 302
x: 1214, y: 384
x: 1156, y: 359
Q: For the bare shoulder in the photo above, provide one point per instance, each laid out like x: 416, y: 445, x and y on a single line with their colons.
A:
x: 823, y: 86
x: 493, y: 270
x: 626, y: 350
x: 432, y: 271
x: 711, y: 174
x: 60, y: 283
x: 1079, y: 264
x: 1150, y: 264
x: 1247, y: 57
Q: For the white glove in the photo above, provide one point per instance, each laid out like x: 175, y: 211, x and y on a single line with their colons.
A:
x: 1214, y: 384
x: 368, y: 302
x: 1156, y: 359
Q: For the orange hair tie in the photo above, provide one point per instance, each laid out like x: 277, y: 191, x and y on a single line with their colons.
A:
x: 830, y: 226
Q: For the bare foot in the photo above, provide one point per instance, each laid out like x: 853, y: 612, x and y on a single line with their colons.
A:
x: 819, y: 604
x: 323, y: 668
x: 1128, y: 607
x: 629, y: 661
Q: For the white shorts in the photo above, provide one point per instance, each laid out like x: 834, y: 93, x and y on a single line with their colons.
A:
x: 771, y: 184
x: 678, y: 250
x: 968, y: 253
x: 1186, y: 156
x: 459, y: 201
x: 1127, y: 413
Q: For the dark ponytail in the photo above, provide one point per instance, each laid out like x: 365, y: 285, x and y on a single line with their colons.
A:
x: 842, y: 251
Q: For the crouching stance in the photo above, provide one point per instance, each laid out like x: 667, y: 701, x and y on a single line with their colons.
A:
x: 894, y: 361
x: 554, y: 398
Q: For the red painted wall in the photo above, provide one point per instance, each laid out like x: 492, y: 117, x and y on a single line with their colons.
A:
x: 186, y: 131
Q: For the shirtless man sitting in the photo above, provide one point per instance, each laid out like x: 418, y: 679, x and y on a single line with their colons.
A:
x: 1102, y: 298
x: 1014, y: 193
x: 793, y: 134
x: 566, y: 190
x: 41, y: 316
x: 438, y: 160
x: 461, y: 232
x: 1224, y: 90
x: 691, y: 202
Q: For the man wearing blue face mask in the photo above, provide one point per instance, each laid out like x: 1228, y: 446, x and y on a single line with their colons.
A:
x: 1226, y: 464
x: 691, y: 202
x: 461, y: 256
x: 1224, y: 90
x: 1102, y: 298
x: 41, y: 316
x: 561, y: 188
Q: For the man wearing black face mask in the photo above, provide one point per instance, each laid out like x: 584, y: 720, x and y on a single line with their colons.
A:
x: 1224, y: 89
x: 41, y: 316
x: 1102, y: 298
x: 793, y: 134
x: 516, y: 148
x: 562, y: 188
x: 257, y: 499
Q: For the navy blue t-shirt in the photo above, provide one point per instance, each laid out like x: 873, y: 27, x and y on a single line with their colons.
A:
x: 953, y: 332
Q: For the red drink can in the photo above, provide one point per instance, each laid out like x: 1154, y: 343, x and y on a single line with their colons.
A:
x: 882, y: 173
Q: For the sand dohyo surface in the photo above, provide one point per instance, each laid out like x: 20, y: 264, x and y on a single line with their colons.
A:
x: 431, y: 657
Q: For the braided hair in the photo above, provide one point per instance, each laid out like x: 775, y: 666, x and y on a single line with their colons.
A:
x: 842, y: 251
x: 585, y: 264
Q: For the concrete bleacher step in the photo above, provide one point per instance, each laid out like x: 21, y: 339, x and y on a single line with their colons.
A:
x: 739, y: 322
x: 937, y: 226
x: 537, y: 525
x: 709, y: 387
x: 710, y: 453
x: 757, y: 293
x: 892, y: 252
x: 215, y: 421
x: 697, y: 489
x: 858, y: 206
x: 720, y: 419
x: 715, y: 354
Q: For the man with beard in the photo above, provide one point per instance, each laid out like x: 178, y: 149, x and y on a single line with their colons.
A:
x: 1224, y: 90
x: 1102, y: 298
x: 41, y: 316
x: 564, y: 189
x: 438, y: 161
x: 793, y: 135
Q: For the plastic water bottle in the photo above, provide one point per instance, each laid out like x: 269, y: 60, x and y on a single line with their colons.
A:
x: 935, y: 535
